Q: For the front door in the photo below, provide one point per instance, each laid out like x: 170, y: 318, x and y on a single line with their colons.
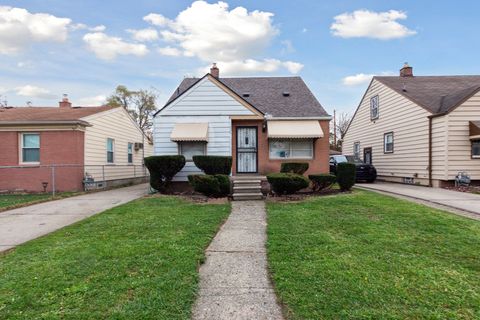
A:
x: 367, y: 155
x: 246, y: 149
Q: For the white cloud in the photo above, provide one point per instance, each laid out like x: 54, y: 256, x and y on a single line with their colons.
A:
x: 238, y: 67
x: 156, y: 19
x: 287, y: 47
x: 144, y: 35
x: 82, y: 26
x: 362, y: 78
x: 213, y: 33
x: 357, y: 79
x: 107, y: 48
x: 304, y: 30
x: 98, y: 28
x: 93, y: 101
x: 19, y: 28
x: 31, y: 91
x: 25, y: 64
x: 369, y: 24
x: 169, y: 51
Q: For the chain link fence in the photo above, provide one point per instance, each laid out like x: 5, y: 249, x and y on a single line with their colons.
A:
x: 69, y: 177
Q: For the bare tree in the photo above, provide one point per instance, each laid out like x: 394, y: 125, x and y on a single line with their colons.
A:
x: 338, y: 130
x: 140, y: 104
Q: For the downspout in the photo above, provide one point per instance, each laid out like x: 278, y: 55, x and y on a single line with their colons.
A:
x: 430, y: 182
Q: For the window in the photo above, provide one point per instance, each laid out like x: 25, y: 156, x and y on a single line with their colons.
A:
x: 374, y: 105
x: 130, y: 152
x: 190, y: 149
x: 30, y: 143
x: 356, y: 150
x: 110, y: 150
x: 475, y: 148
x: 291, y: 149
x: 388, y: 142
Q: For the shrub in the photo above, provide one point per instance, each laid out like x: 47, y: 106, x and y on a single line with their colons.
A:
x: 162, y: 169
x: 210, y: 185
x: 294, y: 167
x: 346, y: 175
x: 287, y: 183
x: 322, y: 181
x: 214, y: 164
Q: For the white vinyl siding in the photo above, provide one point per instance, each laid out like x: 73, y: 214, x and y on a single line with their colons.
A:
x: 400, y: 115
x: 205, y: 102
x: 115, y: 124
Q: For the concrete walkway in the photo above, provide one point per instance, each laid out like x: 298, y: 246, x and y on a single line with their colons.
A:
x: 234, y: 282
x: 23, y: 224
x: 462, y: 203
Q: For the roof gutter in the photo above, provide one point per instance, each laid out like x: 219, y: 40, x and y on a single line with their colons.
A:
x: 45, y: 122
x: 301, y: 118
x: 430, y: 180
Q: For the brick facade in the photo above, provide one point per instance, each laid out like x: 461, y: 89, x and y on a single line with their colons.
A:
x: 321, y: 148
x: 56, y: 147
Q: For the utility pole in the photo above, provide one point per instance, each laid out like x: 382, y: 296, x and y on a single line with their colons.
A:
x: 335, y: 128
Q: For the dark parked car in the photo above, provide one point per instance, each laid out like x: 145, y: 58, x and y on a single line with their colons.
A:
x: 365, y: 172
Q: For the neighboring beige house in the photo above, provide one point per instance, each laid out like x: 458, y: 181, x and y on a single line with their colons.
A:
x: 418, y: 129
x: 61, y: 147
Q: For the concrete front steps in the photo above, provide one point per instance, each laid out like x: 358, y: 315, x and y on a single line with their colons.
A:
x: 247, y: 188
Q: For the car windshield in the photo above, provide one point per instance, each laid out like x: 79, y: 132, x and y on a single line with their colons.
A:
x: 341, y: 159
x: 352, y: 159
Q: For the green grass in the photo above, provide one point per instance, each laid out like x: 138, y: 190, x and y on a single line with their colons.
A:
x: 136, y: 261
x: 8, y: 201
x: 369, y: 256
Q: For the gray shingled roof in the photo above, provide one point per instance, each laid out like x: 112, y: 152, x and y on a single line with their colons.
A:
x: 266, y: 95
x: 437, y: 94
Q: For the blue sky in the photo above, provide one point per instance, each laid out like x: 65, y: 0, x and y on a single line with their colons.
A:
x: 87, y: 48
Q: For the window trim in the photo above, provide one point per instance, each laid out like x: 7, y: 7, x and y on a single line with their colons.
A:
x: 356, y: 143
x: 385, y: 142
x: 294, y: 158
x: 20, y: 149
x: 129, y: 152
x: 113, y: 151
x: 471, y: 149
x: 372, y: 118
x: 179, y: 148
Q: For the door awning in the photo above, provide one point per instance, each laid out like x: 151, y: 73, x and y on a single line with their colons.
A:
x: 190, y: 132
x: 294, y: 129
x: 474, y: 129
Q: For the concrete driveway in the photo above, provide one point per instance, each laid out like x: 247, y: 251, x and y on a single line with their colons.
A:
x: 445, y: 199
x: 23, y: 224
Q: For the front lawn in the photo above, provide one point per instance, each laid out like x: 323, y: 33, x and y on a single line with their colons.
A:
x: 136, y: 261
x: 369, y: 256
x: 9, y: 201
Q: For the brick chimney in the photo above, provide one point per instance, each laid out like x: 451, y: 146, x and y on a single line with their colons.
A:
x: 214, y: 71
x: 406, y: 71
x: 65, y: 103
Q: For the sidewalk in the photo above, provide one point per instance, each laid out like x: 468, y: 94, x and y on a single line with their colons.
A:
x: 23, y: 224
x: 234, y: 281
x: 466, y: 204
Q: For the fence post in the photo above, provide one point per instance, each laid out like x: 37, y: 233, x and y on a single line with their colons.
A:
x: 53, y: 180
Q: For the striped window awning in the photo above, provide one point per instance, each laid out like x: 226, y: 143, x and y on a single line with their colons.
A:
x: 294, y: 129
x: 474, y: 129
x: 190, y: 132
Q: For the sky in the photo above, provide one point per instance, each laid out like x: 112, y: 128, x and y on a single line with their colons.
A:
x: 86, y: 48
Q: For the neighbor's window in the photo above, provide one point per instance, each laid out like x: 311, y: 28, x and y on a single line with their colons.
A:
x: 388, y: 142
x: 110, y: 150
x: 130, y: 152
x: 475, y: 148
x: 30, y: 147
x: 356, y: 150
x: 291, y: 149
x: 190, y: 149
x: 374, y: 108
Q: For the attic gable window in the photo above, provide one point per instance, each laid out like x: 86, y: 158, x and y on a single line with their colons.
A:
x: 374, y: 108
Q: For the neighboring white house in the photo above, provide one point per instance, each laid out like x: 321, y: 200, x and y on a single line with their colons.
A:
x: 418, y: 129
